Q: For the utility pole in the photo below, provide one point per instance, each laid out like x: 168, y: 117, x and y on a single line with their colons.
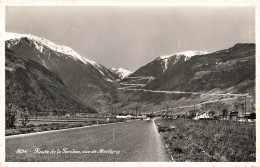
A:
x: 36, y: 114
x: 245, y: 105
x: 243, y: 108
x: 162, y: 111
x: 136, y: 111
x: 218, y: 110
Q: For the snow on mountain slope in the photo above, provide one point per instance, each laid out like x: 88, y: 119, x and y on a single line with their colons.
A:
x: 40, y: 42
x: 187, y: 54
x: 89, y: 81
x: 159, y: 65
x: 120, y: 72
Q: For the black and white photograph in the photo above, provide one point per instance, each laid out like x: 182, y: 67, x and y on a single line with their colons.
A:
x: 130, y: 84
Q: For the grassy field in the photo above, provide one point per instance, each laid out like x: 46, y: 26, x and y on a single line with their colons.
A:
x: 208, y: 141
x: 50, y: 124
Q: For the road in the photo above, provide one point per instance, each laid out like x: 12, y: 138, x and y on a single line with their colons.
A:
x: 120, y: 142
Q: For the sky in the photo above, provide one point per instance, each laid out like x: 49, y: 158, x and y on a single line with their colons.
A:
x: 130, y: 37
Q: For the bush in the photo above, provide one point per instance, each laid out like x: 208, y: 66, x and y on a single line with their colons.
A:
x: 30, y: 125
x: 43, y: 129
x: 79, y: 125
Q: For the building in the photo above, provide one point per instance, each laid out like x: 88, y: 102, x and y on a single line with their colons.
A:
x: 203, y: 116
x: 233, y: 116
x: 80, y: 114
x: 67, y: 114
x: 224, y: 116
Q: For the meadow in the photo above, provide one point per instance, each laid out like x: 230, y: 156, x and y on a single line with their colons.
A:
x: 208, y: 140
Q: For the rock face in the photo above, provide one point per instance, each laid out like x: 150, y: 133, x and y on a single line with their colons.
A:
x: 88, y: 80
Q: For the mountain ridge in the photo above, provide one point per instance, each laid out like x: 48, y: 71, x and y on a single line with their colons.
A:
x: 91, y: 83
x: 210, y: 77
x: 30, y: 84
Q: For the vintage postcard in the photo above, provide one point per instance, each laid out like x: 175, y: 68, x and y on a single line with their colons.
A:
x: 134, y: 84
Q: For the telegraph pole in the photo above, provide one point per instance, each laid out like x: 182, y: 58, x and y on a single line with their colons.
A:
x: 245, y: 108
x: 136, y: 111
x: 162, y: 111
x: 218, y: 110
x: 245, y: 105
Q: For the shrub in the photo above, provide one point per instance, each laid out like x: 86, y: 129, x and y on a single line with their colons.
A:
x: 30, y: 125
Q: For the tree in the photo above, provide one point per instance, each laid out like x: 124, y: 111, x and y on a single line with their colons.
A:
x: 14, y: 114
x: 10, y: 114
x: 24, y: 116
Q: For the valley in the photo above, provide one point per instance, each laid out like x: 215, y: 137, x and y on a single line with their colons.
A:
x: 178, y: 82
x: 51, y: 89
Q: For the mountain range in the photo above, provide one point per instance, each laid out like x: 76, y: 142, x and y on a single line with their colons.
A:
x: 179, y: 79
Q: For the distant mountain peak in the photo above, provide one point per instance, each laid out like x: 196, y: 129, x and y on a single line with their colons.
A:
x: 120, y: 72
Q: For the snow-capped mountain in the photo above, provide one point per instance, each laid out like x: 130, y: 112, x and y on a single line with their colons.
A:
x: 217, y: 70
x: 162, y: 63
x: 120, y: 72
x: 41, y: 43
x: 228, y: 71
x: 187, y: 55
x: 82, y: 76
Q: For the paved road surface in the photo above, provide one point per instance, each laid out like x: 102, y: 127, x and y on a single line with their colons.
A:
x: 132, y: 141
